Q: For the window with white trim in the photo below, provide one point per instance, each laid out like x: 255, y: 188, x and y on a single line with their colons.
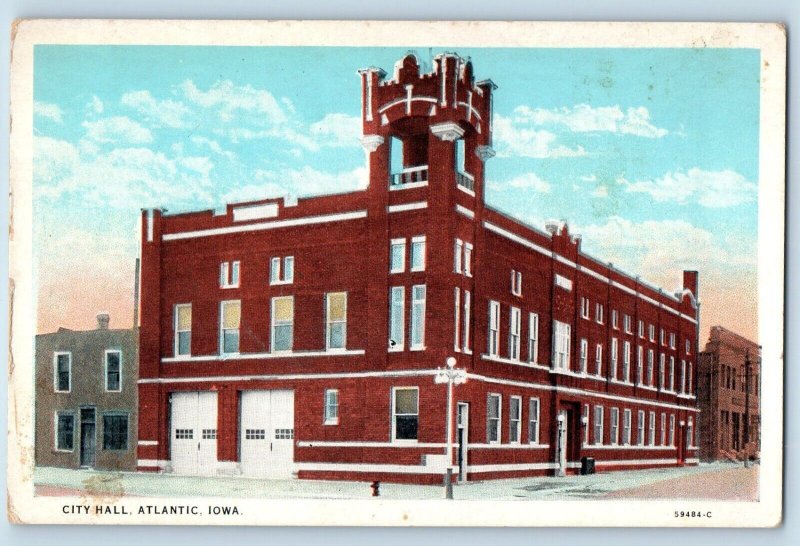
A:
x: 672, y: 340
x: 626, y: 361
x: 467, y: 320
x: 598, y: 360
x: 515, y: 326
x: 336, y: 320
x: 418, y: 257
x: 689, y: 380
x: 650, y: 366
x: 183, y: 329
x: 614, y: 319
x: 626, y: 427
x: 493, y: 339
x: 229, y: 274
x: 672, y: 430
x: 640, y: 428
x: 282, y: 324
x: 688, y: 346
x: 626, y: 324
x: 468, y: 259
x: 331, y: 407
x: 514, y: 419
x: 533, y: 338
x: 683, y: 377
x: 672, y: 374
x: 598, y: 425
x: 281, y: 270
x: 584, y: 307
x: 584, y: 361
x: 663, y: 435
x: 652, y: 332
x: 62, y: 372
x: 493, y: 405
x: 662, y: 364
x: 397, y: 302
x: 397, y: 255
x: 113, y: 370
x: 229, y: 323
x: 516, y: 282
x: 457, y: 319
x: 662, y: 337
x: 458, y: 253
x: 641, y: 329
x: 651, y: 430
x: 405, y: 413
x: 533, y: 421
x: 585, y: 424
x: 65, y: 431
x: 598, y: 313
x: 561, y: 345
x: 614, y: 356
x: 614, y: 426
x: 418, y: 316
x: 640, y: 365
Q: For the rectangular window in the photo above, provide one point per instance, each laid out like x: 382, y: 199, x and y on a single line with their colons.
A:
x: 626, y: 323
x: 405, y: 411
x: 584, y: 364
x: 626, y: 361
x: 467, y: 319
x: 614, y: 426
x: 533, y: 338
x: 626, y: 427
x: 672, y: 430
x: 284, y: 275
x: 515, y: 326
x: 663, y: 438
x: 598, y: 425
x: 614, y: 356
x: 457, y: 319
x: 516, y: 282
x: 585, y: 424
x: 651, y: 430
x: 662, y: 339
x: 282, y: 324
x: 418, y: 253
x: 640, y: 428
x: 229, y: 275
x: 561, y: 344
x: 688, y: 347
x: 641, y: 329
x: 652, y: 332
x: 115, y: 431
x: 336, y: 327
x: 689, y: 381
x: 458, y: 252
x: 640, y: 365
x: 397, y: 256
x: 598, y: 360
x: 397, y: 306
x: 533, y: 421
x: 288, y: 269
x: 672, y: 373
x: 683, y: 376
x: 514, y: 419
x: 661, y: 371
x: 183, y: 329
x: 208, y: 434
x: 650, y: 366
x: 62, y: 365
x: 65, y: 431
x: 113, y: 368
x: 614, y: 319
x: 468, y: 259
x: 493, y: 419
x: 598, y: 313
x: 418, y: 316
x: 331, y: 407
x: 672, y: 340
x: 493, y: 341
x: 585, y: 307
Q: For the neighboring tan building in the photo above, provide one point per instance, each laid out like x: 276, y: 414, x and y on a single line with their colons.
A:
x: 85, y: 403
x: 726, y: 386
x: 303, y: 338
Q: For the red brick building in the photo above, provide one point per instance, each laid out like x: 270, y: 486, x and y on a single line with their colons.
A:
x: 728, y: 394
x: 302, y: 339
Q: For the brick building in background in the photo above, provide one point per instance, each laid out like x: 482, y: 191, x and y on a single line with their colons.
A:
x: 726, y: 387
x: 302, y: 338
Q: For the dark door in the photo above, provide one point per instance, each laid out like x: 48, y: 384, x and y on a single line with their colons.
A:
x: 88, y: 436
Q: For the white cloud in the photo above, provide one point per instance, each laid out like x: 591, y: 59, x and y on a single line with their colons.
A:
x: 48, y: 111
x: 583, y: 118
x: 337, y: 130
x: 526, y: 181
x: 161, y: 113
x: 589, y: 178
x: 212, y: 145
x: 299, y: 182
x: 712, y: 189
x: 512, y: 139
x: 96, y: 105
x: 117, y: 129
x: 229, y: 98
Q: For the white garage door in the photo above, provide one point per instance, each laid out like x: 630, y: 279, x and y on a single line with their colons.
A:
x: 267, y: 433
x: 194, y: 433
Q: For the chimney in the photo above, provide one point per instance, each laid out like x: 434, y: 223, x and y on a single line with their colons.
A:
x: 690, y: 282
x: 102, y: 321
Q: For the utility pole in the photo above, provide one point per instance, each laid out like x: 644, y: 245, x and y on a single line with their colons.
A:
x: 746, y: 407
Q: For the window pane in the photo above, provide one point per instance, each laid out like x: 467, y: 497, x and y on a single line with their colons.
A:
x: 494, y: 407
x: 337, y: 306
x: 230, y: 341
x: 66, y: 427
x: 231, y: 314
x: 398, y: 251
x: 418, y: 255
x: 275, y: 270
x: 184, y: 319
x: 184, y: 343
x: 337, y: 333
x: 283, y: 309
x: 405, y: 401
x: 288, y: 268
x: 283, y: 334
x: 115, y: 432
x: 406, y: 427
x: 396, y: 317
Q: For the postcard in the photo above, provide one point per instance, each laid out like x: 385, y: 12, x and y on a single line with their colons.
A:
x: 396, y: 273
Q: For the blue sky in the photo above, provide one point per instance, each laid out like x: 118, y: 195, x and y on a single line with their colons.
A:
x: 650, y: 154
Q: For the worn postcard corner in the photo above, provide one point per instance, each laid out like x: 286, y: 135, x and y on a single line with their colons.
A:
x: 433, y: 273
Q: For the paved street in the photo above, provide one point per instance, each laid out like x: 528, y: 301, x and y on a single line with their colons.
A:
x: 708, y: 481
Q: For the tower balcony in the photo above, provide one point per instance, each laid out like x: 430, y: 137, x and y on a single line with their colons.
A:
x: 466, y: 181
x: 410, y: 175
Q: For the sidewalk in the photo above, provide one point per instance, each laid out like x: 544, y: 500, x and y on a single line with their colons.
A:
x: 712, y: 481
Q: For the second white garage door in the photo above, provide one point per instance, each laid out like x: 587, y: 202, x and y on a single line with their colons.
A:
x: 267, y: 433
x: 194, y: 433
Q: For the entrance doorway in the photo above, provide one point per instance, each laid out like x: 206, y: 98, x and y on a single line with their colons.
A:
x: 88, y: 437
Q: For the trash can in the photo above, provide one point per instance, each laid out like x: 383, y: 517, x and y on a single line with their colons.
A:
x: 587, y: 465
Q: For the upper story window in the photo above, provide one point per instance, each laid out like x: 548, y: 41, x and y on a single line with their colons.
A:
x: 230, y: 319
x: 336, y: 320
x: 493, y: 339
x: 62, y: 368
x: 585, y: 307
x: 641, y: 329
x: 468, y: 259
x: 627, y: 324
x: 418, y: 253
x: 598, y: 360
x: 229, y: 274
x: 418, y: 316
x: 462, y: 257
x: 662, y: 339
x: 183, y: 329
x: 533, y: 337
x: 493, y: 405
x: 652, y: 332
x: 282, y: 324
x: 561, y: 345
x: 113, y: 371
x: 397, y: 296
x: 281, y: 275
x: 688, y: 346
x: 405, y: 413
x: 516, y: 282
x: 331, y: 407
x: 672, y: 342
x: 614, y: 319
x: 514, y: 329
x: 397, y: 256
x: 598, y: 313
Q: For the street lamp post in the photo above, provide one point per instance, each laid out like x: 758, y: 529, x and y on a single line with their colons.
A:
x: 451, y: 376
